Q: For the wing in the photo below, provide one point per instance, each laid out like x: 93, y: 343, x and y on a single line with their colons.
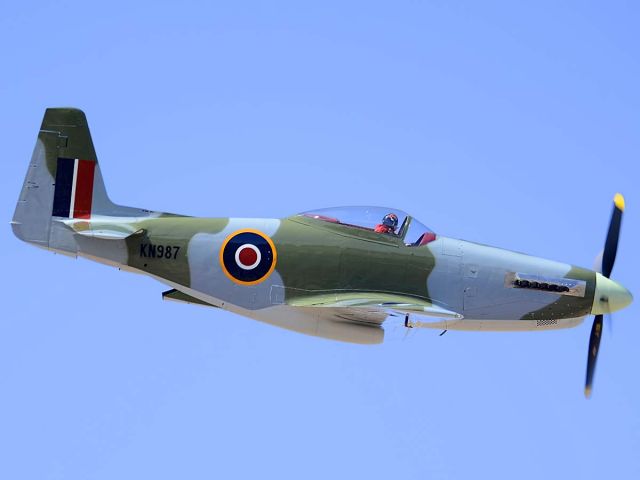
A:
x: 371, y: 307
x: 354, y: 317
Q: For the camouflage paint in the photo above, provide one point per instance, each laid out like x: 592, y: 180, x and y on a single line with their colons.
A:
x: 566, y: 307
x: 174, y: 232
x: 315, y: 260
x: 317, y: 256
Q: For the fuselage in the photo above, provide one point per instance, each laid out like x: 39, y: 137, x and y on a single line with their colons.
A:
x: 338, y: 273
x: 491, y: 288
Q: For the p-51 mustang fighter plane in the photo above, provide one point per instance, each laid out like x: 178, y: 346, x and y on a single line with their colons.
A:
x: 334, y: 273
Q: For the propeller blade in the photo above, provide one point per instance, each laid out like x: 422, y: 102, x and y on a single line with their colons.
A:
x: 597, y: 263
x: 594, y: 346
x: 611, y: 244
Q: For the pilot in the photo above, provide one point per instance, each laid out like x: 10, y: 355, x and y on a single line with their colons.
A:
x: 388, y: 225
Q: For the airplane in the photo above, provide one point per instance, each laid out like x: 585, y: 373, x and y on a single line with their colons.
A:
x: 337, y: 273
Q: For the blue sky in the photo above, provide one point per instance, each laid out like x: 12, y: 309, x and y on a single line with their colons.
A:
x: 503, y: 123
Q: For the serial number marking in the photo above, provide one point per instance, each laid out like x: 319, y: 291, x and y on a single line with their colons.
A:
x: 149, y: 250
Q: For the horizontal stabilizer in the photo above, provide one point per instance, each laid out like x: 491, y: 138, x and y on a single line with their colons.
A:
x: 174, y: 295
x: 108, y: 234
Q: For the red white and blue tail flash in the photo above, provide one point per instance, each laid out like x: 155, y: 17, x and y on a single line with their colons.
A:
x: 73, y: 194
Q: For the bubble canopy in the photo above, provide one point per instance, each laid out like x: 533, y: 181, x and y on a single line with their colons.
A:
x: 410, y: 230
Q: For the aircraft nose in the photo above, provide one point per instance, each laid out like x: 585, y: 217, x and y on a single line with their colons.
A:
x: 609, y: 296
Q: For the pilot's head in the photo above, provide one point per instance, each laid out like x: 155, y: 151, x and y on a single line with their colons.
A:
x: 390, y: 220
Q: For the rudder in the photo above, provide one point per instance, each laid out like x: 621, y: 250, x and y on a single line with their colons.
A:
x: 63, y: 180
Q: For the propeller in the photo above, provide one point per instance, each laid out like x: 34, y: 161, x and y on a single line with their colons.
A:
x: 608, y: 260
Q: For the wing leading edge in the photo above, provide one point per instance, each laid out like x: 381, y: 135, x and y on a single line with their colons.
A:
x: 372, y: 307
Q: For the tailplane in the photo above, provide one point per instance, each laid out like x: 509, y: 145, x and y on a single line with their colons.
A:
x: 63, y: 183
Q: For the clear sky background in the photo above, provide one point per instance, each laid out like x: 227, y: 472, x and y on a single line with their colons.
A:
x: 500, y: 122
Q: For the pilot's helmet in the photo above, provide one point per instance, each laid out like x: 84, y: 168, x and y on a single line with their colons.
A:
x: 390, y: 220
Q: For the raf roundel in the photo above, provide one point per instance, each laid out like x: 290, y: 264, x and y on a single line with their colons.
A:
x: 248, y: 257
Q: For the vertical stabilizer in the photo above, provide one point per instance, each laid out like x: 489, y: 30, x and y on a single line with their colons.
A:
x: 63, y: 181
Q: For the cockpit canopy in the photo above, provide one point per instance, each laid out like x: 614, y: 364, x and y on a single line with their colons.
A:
x: 410, y: 230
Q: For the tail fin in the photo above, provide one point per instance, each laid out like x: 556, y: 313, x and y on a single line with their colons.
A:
x: 63, y: 180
